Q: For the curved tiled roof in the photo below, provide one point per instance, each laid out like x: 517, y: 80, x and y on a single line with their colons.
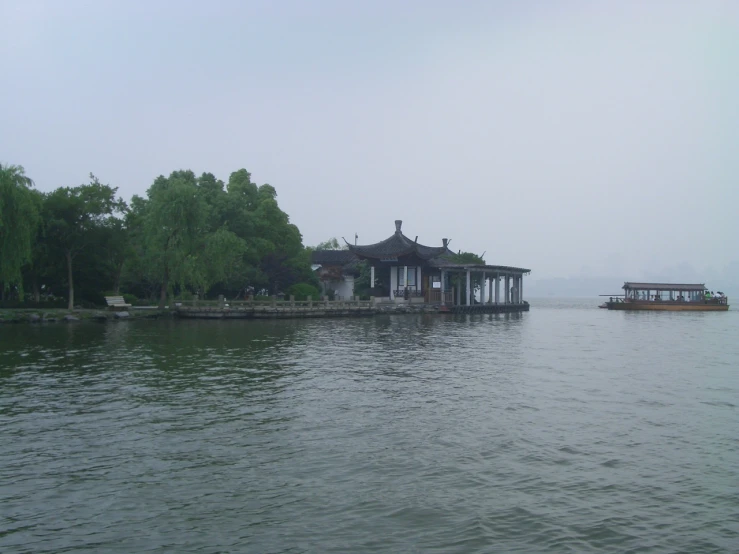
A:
x: 441, y: 257
x: 397, y: 245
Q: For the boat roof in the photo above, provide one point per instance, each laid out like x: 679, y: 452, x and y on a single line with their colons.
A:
x: 665, y: 286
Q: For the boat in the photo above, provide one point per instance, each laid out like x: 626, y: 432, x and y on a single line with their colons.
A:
x: 671, y: 297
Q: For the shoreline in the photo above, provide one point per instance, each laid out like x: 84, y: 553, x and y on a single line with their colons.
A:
x: 58, y: 315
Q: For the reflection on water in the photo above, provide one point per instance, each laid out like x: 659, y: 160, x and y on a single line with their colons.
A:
x: 567, y: 428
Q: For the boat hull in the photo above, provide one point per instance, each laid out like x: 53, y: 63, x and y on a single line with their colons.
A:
x: 668, y: 306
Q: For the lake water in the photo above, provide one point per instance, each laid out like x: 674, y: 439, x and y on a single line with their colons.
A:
x: 565, y: 429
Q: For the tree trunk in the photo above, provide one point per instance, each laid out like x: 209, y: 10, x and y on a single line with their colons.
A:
x: 163, y: 292
x: 117, y: 279
x: 70, y: 304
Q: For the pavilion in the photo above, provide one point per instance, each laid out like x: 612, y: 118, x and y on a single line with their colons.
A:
x: 402, y: 270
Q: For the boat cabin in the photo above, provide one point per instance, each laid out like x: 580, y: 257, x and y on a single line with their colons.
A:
x: 666, y: 292
x: 668, y: 296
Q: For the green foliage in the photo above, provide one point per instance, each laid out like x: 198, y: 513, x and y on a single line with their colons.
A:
x: 173, y: 221
x: 362, y: 284
x: 302, y: 291
x: 19, y: 219
x: 330, y: 244
x: 467, y: 258
x: 187, y: 234
x: 198, y: 234
x: 459, y: 280
x: 77, y: 220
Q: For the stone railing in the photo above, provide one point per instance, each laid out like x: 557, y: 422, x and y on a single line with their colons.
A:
x: 274, y: 302
x: 408, y: 293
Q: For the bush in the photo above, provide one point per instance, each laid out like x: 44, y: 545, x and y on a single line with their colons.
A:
x: 302, y: 291
x: 130, y: 299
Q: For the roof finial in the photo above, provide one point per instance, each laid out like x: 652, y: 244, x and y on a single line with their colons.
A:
x: 445, y: 242
x: 398, y: 225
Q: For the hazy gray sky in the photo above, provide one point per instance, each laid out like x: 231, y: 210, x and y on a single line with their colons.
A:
x: 569, y: 137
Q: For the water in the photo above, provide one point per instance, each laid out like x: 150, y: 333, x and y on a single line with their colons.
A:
x: 565, y: 429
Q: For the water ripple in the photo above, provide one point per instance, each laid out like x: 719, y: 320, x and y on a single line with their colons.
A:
x: 559, y: 430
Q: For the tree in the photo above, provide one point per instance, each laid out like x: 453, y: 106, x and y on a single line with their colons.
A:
x: 188, y: 231
x: 115, y: 248
x: 475, y: 279
x: 174, y: 217
x: 19, y: 218
x: 330, y: 244
x: 177, y: 243
x: 75, y: 217
x: 283, y: 260
x: 363, y: 282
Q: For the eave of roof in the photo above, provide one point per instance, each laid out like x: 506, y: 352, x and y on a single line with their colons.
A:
x: 449, y: 265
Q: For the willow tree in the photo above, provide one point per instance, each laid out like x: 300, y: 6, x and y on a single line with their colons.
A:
x: 19, y: 218
x: 177, y: 241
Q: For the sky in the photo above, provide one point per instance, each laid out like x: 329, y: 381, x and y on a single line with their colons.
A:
x: 575, y: 138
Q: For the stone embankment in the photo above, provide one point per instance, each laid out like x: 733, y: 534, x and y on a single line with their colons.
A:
x: 72, y: 316
x: 324, y: 308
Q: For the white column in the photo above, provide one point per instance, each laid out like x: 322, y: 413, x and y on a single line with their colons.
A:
x: 469, y: 289
x: 441, y: 289
x: 497, y: 288
x: 520, y: 289
x: 393, y: 281
x: 372, y: 276
x: 482, y: 289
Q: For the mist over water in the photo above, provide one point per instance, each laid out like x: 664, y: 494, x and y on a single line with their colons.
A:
x: 565, y: 429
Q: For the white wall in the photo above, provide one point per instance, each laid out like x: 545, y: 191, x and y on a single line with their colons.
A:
x: 345, y: 288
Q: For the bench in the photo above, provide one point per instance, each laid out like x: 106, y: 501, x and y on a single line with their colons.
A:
x: 116, y: 303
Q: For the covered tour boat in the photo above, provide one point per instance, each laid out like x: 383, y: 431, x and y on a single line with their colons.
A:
x: 668, y: 297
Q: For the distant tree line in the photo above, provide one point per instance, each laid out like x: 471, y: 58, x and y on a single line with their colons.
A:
x: 188, y: 235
